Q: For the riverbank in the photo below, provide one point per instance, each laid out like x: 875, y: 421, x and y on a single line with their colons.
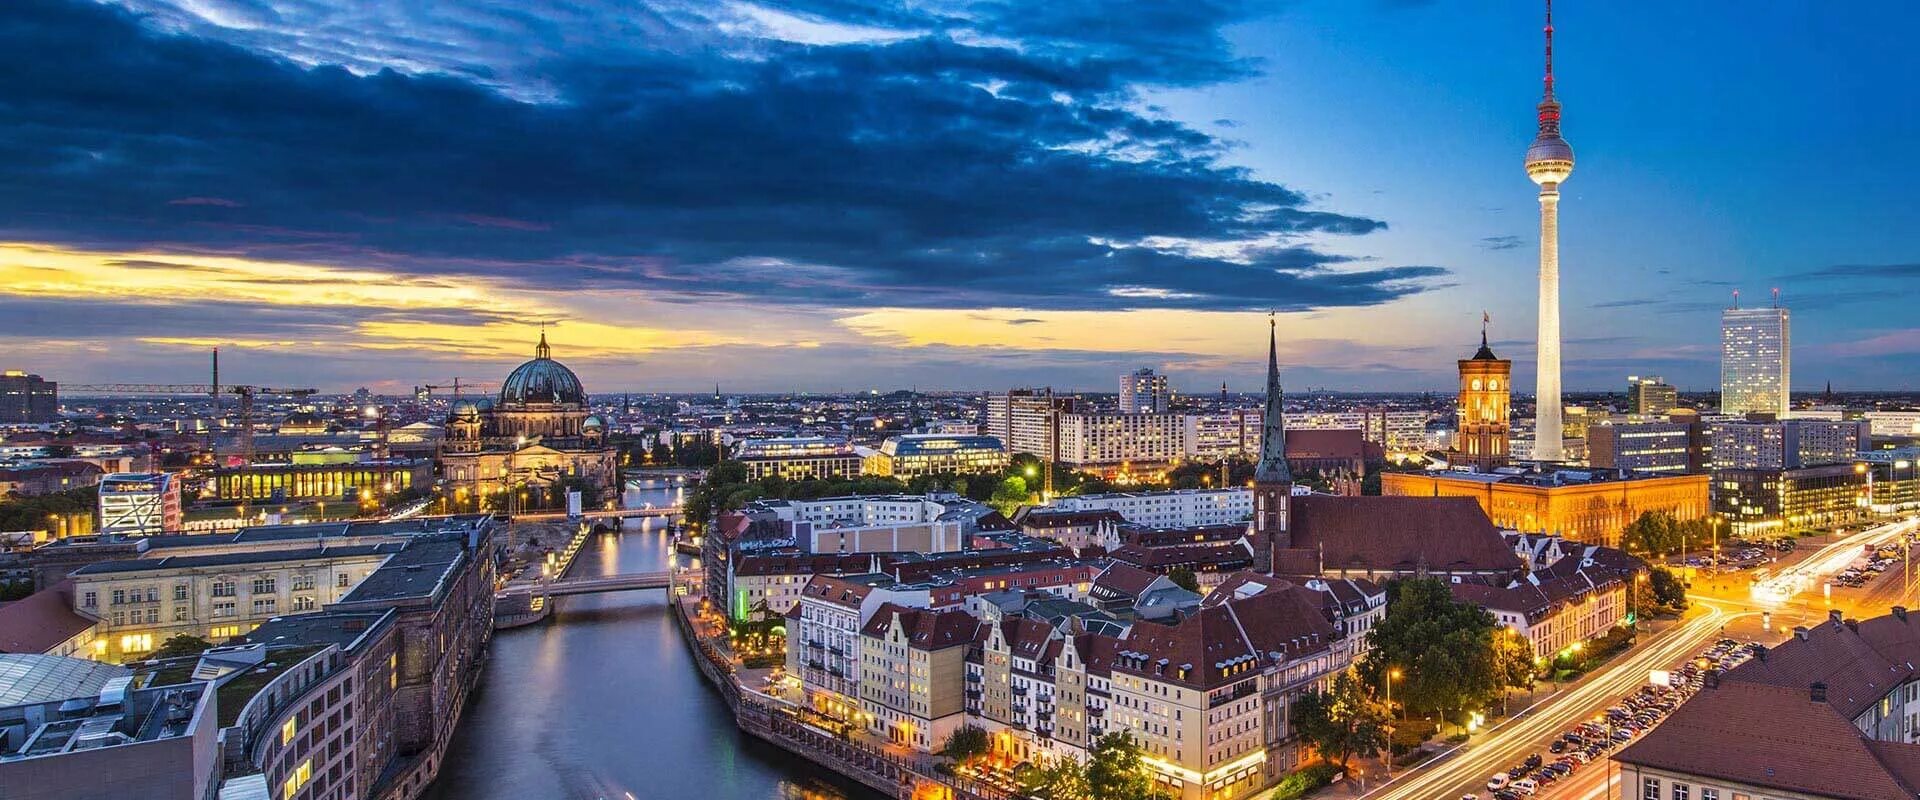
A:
x: 773, y: 721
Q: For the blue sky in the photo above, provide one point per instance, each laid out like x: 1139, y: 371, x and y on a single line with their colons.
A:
x: 829, y: 194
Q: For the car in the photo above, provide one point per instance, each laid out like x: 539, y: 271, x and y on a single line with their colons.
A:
x: 1580, y: 756
x: 1506, y: 795
x: 1526, y: 787
x: 1469, y: 797
x: 1498, y: 781
x: 1532, y: 761
x: 1558, y: 746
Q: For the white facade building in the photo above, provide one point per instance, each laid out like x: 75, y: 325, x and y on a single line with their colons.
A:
x: 1142, y: 392
x: 1184, y: 508
x: 1755, y: 361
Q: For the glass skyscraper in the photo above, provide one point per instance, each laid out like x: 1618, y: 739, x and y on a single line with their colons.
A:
x: 1755, y: 361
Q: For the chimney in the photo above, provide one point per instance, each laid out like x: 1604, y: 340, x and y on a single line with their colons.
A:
x: 1901, y: 612
x: 1711, y: 679
x: 1817, y: 691
x: 1759, y: 651
x: 1833, y: 616
x: 1800, y: 632
x: 1853, y: 625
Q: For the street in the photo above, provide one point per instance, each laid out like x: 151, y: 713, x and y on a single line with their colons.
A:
x: 1465, y: 769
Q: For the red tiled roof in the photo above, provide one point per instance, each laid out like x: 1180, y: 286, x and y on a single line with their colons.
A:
x: 1200, y: 554
x: 1227, y: 642
x: 1041, y: 517
x: 926, y: 629
x: 1125, y: 579
x: 1441, y: 534
x: 41, y: 621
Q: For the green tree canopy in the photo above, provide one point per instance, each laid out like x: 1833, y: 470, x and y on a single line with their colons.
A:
x: 1184, y: 578
x: 1115, y: 772
x: 1343, y: 721
x: 1443, y: 649
x: 181, y: 645
x: 967, y: 742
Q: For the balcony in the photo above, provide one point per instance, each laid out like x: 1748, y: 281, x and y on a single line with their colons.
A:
x: 1019, y: 691
x: 974, y: 677
x: 973, y: 694
x: 816, y: 644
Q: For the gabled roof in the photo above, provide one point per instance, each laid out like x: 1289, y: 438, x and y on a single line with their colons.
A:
x: 925, y: 629
x: 1776, y: 737
x: 1229, y: 641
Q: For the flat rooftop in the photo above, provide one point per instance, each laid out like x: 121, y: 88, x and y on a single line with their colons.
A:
x: 419, y: 570
x: 235, y: 559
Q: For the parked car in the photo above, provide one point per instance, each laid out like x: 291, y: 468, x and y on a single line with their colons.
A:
x: 1498, y: 781
x: 1526, y: 787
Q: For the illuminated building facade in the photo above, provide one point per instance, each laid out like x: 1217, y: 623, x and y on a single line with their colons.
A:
x: 798, y: 458
x: 538, y: 433
x: 919, y: 454
x: 352, y: 481
x: 139, y: 504
x: 1590, y: 506
x: 28, y: 398
x: 1142, y: 392
x: 1650, y: 395
x: 1485, y: 392
x: 1790, y: 500
x: 1755, y: 361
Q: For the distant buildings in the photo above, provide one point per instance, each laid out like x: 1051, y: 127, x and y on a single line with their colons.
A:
x: 1118, y: 444
x: 1758, y: 500
x: 140, y: 504
x: 28, y: 398
x: 1590, y: 506
x: 798, y: 458
x: 1650, y: 447
x: 1650, y: 395
x: 1027, y: 420
x: 1484, y: 419
x: 1142, y: 392
x: 1185, y: 508
x: 325, y: 480
x: 919, y: 454
x: 1755, y: 361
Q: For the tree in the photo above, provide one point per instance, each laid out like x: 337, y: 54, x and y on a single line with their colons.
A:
x: 181, y: 645
x: 1667, y: 589
x: 1443, y: 648
x: 1115, y: 772
x: 1184, y: 578
x: 1059, y: 779
x: 1513, y: 662
x: 1344, y: 721
x: 967, y: 742
x: 1010, y: 494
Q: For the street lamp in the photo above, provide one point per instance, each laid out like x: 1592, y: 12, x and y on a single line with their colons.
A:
x: 1392, y: 675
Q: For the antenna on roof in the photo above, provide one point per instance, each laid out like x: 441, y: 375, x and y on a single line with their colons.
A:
x: 1776, y: 297
x: 1736, y: 299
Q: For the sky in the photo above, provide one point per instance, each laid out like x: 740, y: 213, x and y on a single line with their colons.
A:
x: 825, y: 195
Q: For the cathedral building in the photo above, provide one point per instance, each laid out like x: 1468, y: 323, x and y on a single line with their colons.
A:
x: 1480, y: 440
x: 539, y: 433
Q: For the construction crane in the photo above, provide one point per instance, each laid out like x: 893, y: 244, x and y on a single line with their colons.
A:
x: 455, y: 386
x: 213, y: 390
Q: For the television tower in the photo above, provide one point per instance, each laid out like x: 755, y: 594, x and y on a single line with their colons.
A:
x: 1549, y: 162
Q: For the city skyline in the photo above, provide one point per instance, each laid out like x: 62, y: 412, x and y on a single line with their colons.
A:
x: 815, y: 198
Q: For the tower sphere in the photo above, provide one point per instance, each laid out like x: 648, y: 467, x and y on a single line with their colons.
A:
x: 1549, y: 159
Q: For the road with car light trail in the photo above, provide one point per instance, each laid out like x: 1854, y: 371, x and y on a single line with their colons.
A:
x: 1464, y: 769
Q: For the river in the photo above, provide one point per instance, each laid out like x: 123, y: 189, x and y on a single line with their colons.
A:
x: 603, y: 701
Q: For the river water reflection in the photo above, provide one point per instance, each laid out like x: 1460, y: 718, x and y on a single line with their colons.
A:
x: 603, y: 701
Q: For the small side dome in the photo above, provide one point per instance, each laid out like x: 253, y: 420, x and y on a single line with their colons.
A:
x: 592, y: 423
x: 465, y: 410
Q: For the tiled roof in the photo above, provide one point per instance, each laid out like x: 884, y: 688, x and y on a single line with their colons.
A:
x: 41, y: 621
x: 1200, y: 554
x: 1325, y: 443
x: 1125, y: 580
x: 1775, y: 737
x: 1042, y: 517
x: 1442, y: 534
x: 926, y: 629
x: 846, y: 592
x: 1229, y: 641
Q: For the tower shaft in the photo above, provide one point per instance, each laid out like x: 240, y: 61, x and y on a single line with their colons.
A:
x: 1547, y: 437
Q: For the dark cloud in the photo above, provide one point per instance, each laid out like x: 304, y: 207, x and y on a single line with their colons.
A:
x: 1508, y: 242
x: 1860, y: 271
x: 932, y: 170
x: 1630, y: 303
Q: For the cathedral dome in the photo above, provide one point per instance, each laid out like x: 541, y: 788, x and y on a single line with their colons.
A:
x: 592, y: 422
x: 542, y: 380
x: 465, y: 410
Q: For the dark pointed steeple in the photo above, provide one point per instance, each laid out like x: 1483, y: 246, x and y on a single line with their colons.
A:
x: 1273, y: 424
x: 1485, y: 353
x: 542, y: 350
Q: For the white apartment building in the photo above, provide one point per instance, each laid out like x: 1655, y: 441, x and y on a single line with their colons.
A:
x: 823, y: 635
x: 1756, y: 364
x: 1024, y: 419
x: 1180, y: 508
x: 1788, y: 443
x: 1142, y: 392
x: 1119, y: 439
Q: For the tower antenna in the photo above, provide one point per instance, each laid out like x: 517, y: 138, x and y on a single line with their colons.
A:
x: 1776, y: 297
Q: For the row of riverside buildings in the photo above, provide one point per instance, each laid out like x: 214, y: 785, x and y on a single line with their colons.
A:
x: 907, y: 618
x: 345, y: 655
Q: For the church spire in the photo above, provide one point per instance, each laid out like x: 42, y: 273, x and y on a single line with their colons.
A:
x: 542, y: 350
x: 1273, y: 424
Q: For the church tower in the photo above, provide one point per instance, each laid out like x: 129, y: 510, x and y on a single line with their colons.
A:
x: 1272, y: 479
x: 1481, y: 436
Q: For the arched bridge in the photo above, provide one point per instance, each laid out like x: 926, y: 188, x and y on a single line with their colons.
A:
x: 592, y: 584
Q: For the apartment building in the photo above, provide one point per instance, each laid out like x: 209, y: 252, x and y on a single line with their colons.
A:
x: 914, y: 455
x: 1179, y: 508
x: 823, y: 634
x: 800, y: 458
x: 912, y: 669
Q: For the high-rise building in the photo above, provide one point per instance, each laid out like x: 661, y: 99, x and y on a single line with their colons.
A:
x: 1788, y: 443
x: 1485, y: 391
x: 1650, y: 395
x: 27, y: 398
x: 1142, y: 392
x: 1755, y: 360
x: 1549, y: 163
x: 1027, y: 420
x: 1653, y: 446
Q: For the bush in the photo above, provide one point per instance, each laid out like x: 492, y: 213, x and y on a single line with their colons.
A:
x: 1304, y: 780
x: 1412, y: 734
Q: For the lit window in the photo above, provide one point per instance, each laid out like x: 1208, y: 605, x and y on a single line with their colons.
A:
x: 288, y: 730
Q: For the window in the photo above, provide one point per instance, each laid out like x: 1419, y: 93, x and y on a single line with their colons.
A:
x: 223, y: 632
x: 1650, y: 788
x: 341, y: 580
x: 119, y: 596
x: 223, y: 589
x: 153, y: 616
x: 180, y: 591
x: 223, y: 610
x: 136, y: 643
x: 393, y: 673
x: 298, y: 778
x: 288, y: 730
x: 264, y: 605
x: 1681, y: 791
x: 1709, y: 794
x: 90, y: 600
x: 180, y: 614
x: 302, y: 583
x: 303, y: 603
x: 263, y: 585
